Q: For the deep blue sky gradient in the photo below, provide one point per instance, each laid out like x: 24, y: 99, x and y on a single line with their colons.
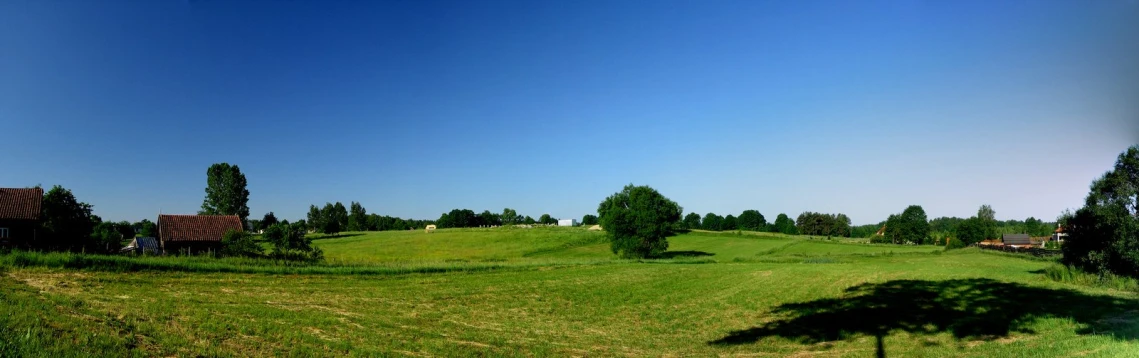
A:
x: 414, y: 108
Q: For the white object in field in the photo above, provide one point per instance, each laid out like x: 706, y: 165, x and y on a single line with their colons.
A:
x: 430, y: 228
x: 567, y: 222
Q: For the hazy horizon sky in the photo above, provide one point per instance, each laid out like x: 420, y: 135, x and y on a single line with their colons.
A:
x: 414, y: 108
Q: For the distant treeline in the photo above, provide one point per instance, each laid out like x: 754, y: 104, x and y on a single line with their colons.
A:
x: 334, y: 218
x: 458, y: 218
x: 808, y: 223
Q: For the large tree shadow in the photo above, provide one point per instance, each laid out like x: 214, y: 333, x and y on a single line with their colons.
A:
x: 968, y: 308
x: 677, y: 254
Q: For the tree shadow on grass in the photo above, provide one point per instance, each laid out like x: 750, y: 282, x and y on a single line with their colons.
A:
x: 968, y: 308
x: 338, y: 236
x: 679, y: 254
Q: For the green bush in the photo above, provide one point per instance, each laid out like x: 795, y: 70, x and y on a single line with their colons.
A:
x: 954, y: 243
x: 1073, y: 275
x: 239, y: 244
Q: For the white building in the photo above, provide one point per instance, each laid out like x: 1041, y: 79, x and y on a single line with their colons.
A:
x: 567, y: 222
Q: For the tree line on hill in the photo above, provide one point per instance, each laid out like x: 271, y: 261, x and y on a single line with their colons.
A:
x: 808, y: 223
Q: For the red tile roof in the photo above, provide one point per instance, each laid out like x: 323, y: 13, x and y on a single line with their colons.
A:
x: 22, y: 203
x: 196, y: 227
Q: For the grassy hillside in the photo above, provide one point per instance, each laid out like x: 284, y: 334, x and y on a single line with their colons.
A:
x: 559, y: 292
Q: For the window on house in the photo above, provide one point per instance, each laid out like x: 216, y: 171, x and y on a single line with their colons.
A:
x: 3, y: 233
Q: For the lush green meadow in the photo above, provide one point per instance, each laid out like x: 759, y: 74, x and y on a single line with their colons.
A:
x: 560, y: 292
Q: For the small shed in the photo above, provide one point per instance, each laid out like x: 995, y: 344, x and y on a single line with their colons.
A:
x: 195, y: 233
x: 143, y: 245
x: 1016, y: 239
x: 567, y: 222
x: 20, y: 215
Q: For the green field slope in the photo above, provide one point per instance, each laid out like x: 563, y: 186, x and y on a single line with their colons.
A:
x: 560, y: 292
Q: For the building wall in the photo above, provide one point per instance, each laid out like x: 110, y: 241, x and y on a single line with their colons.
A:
x: 20, y: 232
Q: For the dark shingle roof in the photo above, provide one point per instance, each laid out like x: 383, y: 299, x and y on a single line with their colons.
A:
x: 196, y: 227
x: 23, y: 203
x: 1016, y: 239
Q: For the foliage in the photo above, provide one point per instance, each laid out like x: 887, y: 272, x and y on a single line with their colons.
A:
x: 240, y: 244
x: 1073, y: 275
x: 866, y: 231
x: 971, y: 230
x: 487, y: 218
x: 510, y: 217
x: 988, y: 221
x: 729, y: 223
x: 67, y: 223
x: 812, y: 223
x: 784, y: 225
x: 638, y: 220
x: 954, y: 243
x: 547, y: 219
x: 145, y: 228
x: 589, y: 219
x: 226, y: 192
x: 108, y: 237
x: 910, y: 226
x: 751, y: 220
x: 692, y: 221
x: 1103, y: 236
x: 712, y: 222
x: 268, y: 220
x: 357, y: 218
x: 290, y: 243
x: 528, y: 220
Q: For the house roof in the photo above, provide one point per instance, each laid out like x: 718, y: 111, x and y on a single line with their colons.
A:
x: 1016, y: 239
x: 196, y: 227
x: 21, y: 203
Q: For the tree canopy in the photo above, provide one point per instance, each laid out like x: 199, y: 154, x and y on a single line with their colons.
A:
x: 589, y: 219
x: 812, y: 223
x: 911, y: 226
x: 712, y: 222
x: 1103, y: 235
x: 692, y: 221
x: 751, y: 220
x: 638, y: 220
x: 225, y: 192
x: 783, y: 224
x: 67, y: 222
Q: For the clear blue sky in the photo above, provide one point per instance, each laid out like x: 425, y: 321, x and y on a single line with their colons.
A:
x: 414, y: 108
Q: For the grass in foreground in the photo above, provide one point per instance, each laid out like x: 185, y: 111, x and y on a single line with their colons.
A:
x: 962, y: 302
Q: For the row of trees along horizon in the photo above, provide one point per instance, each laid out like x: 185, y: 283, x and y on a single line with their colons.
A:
x: 1103, y: 234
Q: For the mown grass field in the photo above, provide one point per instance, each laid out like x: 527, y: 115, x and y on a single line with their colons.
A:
x: 559, y: 292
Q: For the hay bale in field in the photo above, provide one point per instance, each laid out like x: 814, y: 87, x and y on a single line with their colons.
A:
x: 430, y: 228
x: 595, y: 228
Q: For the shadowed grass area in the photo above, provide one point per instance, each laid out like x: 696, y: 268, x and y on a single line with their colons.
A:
x: 976, y: 308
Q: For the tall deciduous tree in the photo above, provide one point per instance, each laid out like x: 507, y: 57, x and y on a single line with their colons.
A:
x: 712, y: 222
x: 729, y: 223
x: 692, y: 221
x: 751, y: 220
x: 340, y: 214
x: 638, y: 220
x: 67, y: 222
x: 783, y: 224
x: 357, y: 218
x: 1103, y: 236
x: 268, y: 220
x: 988, y: 219
x: 510, y: 217
x: 911, y: 226
x: 589, y: 219
x: 225, y: 192
x: 315, y: 219
x: 547, y: 219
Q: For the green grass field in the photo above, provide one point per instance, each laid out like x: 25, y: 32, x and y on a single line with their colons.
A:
x: 560, y: 292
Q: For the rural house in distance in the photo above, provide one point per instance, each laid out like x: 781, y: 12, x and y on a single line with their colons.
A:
x: 19, y: 214
x: 194, y: 233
